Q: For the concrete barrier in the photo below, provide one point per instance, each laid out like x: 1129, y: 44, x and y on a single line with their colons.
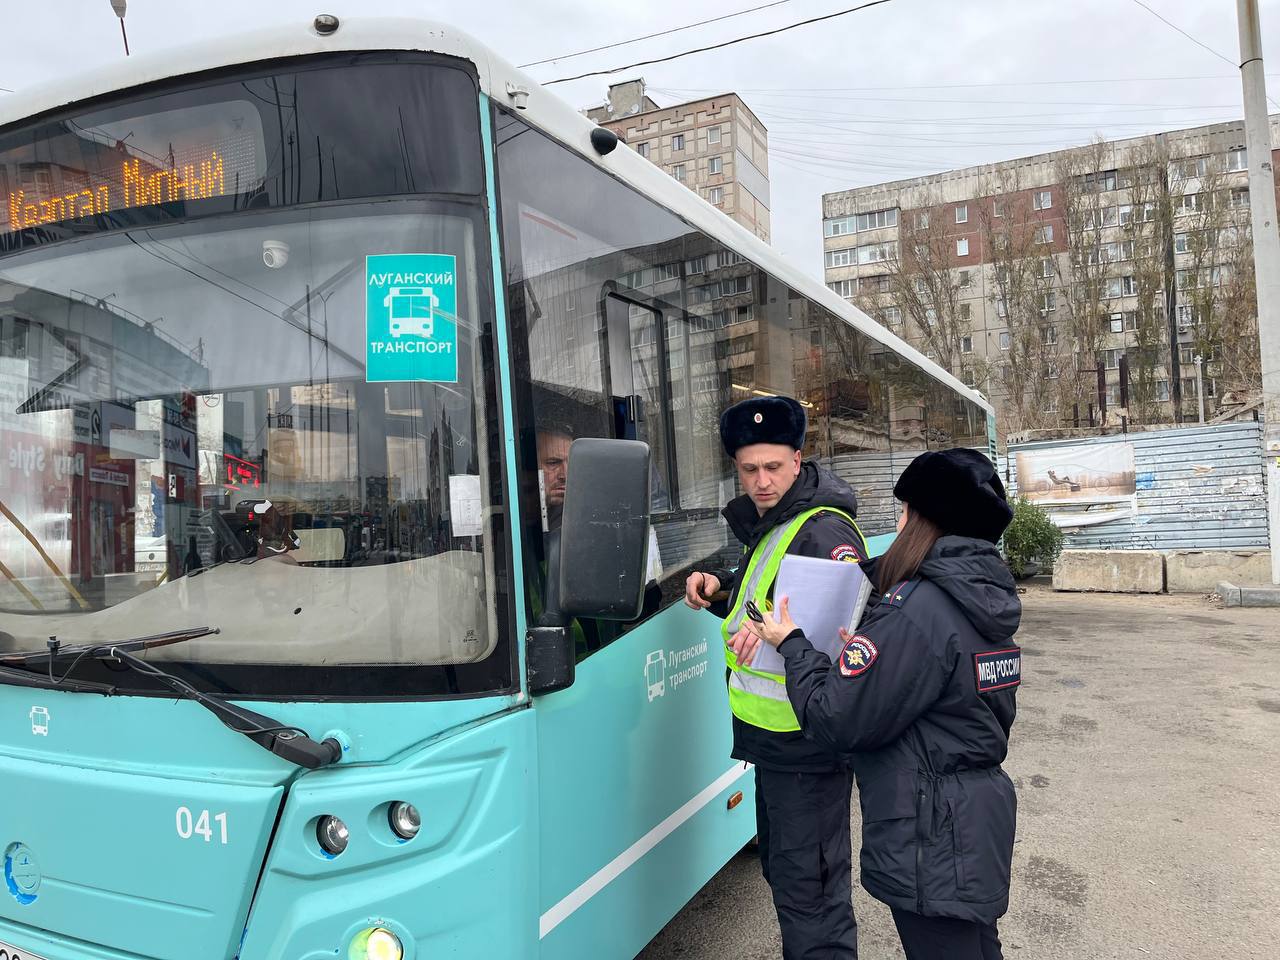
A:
x: 1200, y: 571
x: 1110, y: 571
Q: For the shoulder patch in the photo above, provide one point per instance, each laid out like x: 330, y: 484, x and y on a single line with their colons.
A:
x: 998, y: 669
x: 898, y: 595
x: 858, y: 655
x: 846, y: 552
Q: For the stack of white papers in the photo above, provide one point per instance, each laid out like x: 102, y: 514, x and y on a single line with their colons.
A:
x: 823, y: 596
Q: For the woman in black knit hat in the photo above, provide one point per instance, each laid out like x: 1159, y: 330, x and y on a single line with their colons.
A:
x: 922, y: 697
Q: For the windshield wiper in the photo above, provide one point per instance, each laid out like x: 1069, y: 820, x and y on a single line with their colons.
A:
x: 57, y: 651
x: 287, y: 742
x: 21, y: 678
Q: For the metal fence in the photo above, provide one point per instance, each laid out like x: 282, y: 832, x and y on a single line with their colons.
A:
x: 1194, y: 488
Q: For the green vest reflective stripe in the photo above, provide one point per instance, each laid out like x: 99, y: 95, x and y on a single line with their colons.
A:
x: 756, y: 697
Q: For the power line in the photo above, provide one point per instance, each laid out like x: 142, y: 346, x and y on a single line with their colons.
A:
x: 944, y: 86
x: 1198, y: 43
x: 717, y: 46
x: 650, y: 36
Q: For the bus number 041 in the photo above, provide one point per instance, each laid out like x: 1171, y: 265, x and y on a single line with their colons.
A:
x: 189, y: 824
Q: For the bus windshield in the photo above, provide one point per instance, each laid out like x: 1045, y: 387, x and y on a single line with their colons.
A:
x: 277, y: 422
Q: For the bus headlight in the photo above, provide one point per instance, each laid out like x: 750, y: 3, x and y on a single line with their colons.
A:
x: 376, y: 943
x: 333, y: 835
x: 405, y: 820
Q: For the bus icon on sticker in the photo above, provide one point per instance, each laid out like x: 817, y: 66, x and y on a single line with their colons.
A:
x: 655, y: 674
x: 412, y: 311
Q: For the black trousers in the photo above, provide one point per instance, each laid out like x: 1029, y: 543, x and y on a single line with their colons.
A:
x: 944, y: 938
x: 802, y: 821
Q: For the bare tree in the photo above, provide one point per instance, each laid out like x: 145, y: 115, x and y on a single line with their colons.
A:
x: 1148, y: 235
x: 923, y: 285
x: 1215, y: 280
x: 1026, y: 368
x: 1082, y: 273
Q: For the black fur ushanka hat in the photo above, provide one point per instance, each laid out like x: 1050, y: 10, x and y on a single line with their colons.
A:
x: 763, y: 420
x: 957, y: 489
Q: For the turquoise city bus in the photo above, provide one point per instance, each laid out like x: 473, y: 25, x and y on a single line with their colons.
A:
x: 358, y: 430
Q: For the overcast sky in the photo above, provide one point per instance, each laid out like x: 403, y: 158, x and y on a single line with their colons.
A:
x: 906, y: 88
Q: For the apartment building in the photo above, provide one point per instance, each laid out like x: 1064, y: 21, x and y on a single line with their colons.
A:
x: 715, y: 146
x: 1040, y: 281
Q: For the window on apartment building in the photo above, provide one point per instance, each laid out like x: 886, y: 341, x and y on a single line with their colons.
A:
x: 1002, y: 274
x: 1100, y: 181
x: 1048, y: 302
x: 1188, y: 316
x: 921, y: 286
x: 966, y: 311
x: 1042, y: 199
x: 1002, y: 309
x: 717, y: 195
x: 1049, y: 336
x: 1162, y: 390
x: 968, y: 376
x: 891, y: 317
x: 677, y: 141
x: 966, y: 279
x: 1186, y: 355
x: 880, y: 283
x: 922, y: 220
x: 1125, y: 214
x: 966, y: 344
x: 1111, y: 359
x: 1237, y: 159
x: 1005, y: 340
x: 643, y: 149
x: 1189, y: 203
x: 715, y: 165
x: 713, y: 134
x: 1239, y: 198
x: 1148, y: 212
x: 837, y: 227
x: 1181, y: 242
x: 874, y: 252
x: 1044, y: 234
x: 1189, y: 168
x: 1046, y: 267
x: 930, y: 316
x: 1050, y: 371
x: 997, y: 208
x: 962, y: 213
x: 962, y: 247
x: 844, y: 288
x: 1117, y: 322
x: 840, y: 226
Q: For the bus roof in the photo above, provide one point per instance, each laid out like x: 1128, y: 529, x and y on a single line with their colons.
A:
x: 499, y: 79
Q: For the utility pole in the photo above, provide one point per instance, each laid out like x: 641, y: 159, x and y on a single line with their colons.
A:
x: 1200, y: 384
x: 1266, y: 256
x: 119, y: 7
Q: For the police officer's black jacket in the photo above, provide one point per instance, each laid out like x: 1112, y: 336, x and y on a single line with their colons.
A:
x: 923, y: 699
x: 825, y: 535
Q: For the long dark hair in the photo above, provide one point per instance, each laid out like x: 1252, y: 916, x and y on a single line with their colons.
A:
x: 903, y: 558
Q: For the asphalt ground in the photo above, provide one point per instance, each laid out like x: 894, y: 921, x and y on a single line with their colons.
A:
x: 1146, y: 756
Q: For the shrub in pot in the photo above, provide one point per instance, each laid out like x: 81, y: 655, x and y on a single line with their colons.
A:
x: 1030, y: 537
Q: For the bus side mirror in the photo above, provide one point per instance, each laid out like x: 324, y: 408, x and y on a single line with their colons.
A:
x: 604, y: 530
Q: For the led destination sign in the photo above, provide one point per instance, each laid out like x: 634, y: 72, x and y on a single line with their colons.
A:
x: 91, y: 166
x: 134, y: 186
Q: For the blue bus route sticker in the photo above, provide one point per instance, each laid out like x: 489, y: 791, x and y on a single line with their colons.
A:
x: 410, y: 317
